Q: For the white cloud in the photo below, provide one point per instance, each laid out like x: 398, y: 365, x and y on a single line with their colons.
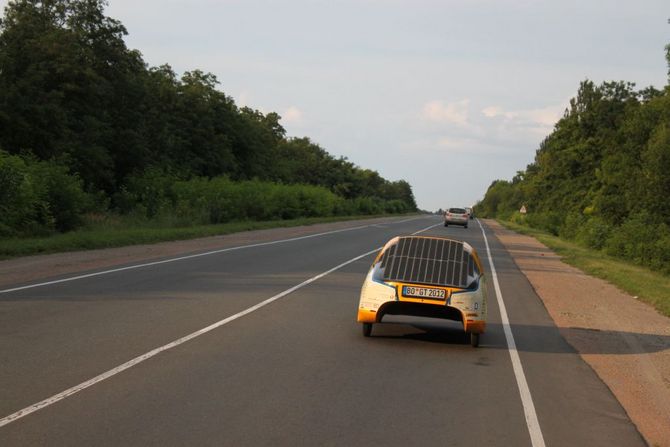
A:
x: 453, y: 113
x: 292, y: 115
x: 492, y: 111
x: 542, y: 119
x: 496, y: 111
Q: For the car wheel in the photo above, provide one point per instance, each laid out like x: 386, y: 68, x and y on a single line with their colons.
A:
x: 367, y: 329
x: 446, y: 224
x: 474, y: 339
x: 466, y: 226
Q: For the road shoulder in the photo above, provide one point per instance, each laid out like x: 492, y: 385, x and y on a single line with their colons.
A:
x: 625, y: 341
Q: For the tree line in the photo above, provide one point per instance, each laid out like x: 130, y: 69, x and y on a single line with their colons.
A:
x: 602, y: 177
x: 78, y: 107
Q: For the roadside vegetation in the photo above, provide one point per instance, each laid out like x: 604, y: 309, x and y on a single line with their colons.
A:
x: 600, y: 181
x: 90, y: 133
x: 646, y: 285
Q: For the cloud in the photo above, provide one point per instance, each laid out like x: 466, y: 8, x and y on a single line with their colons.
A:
x: 292, y: 115
x: 496, y: 111
x: 494, y: 131
x: 452, y: 113
x: 542, y: 119
x: 492, y: 111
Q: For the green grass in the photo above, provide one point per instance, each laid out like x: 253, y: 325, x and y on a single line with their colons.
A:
x: 649, y: 286
x: 119, y: 234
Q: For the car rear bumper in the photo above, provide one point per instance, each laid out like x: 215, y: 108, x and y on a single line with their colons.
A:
x: 466, y: 306
x: 456, y: 221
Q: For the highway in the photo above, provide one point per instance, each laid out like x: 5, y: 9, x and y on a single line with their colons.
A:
x: 285, y: 365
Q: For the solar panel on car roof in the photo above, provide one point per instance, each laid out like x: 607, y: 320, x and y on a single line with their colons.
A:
x: 440, y: 262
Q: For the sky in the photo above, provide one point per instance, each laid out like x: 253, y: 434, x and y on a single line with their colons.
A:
x: 448, y: 95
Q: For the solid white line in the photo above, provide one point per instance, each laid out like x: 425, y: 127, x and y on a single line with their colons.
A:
x: 536, y: 438
x: 181, y: 258
x: 112, y: 372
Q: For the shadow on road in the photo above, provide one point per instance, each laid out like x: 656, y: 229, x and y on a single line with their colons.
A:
x: 528, y: 338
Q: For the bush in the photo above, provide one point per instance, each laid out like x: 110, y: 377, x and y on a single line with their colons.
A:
x: 518, y: 218
x: 19, y: 202
x: 367, y: 205
x: 39, y: 197
x: 64, y: 195
x: 661, y: 250
x: 549, y: 221
x: 593, y: 233
x: 395, y: 207
x: 641, y: 240
x: 149, y: 194
x: 573, y: 222
x: 162, y: 197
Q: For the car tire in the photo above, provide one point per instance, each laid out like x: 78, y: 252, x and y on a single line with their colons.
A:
x: 446, y: 224
x: 474, y: 339
x: 466, y: 226
x: 367, y: 329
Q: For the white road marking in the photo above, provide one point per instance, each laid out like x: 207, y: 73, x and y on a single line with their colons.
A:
x: 536, y: 438
x: 139, y: 359
x: 181, y: 258
x: 114, y: 371
x: 426, y: 229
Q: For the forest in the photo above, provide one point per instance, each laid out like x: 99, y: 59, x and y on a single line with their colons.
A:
x: 602, y: 177
x: 87, y: 128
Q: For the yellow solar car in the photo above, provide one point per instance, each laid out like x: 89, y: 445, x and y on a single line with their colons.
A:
x: 428, y: 277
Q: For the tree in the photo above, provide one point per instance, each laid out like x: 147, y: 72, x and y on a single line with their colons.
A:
x: 74, y: 96
x: 69, y: 87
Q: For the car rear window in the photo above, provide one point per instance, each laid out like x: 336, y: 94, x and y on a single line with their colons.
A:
x: 457, y: 210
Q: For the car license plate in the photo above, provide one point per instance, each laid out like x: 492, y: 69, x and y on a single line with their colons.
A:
x: 424, y: 292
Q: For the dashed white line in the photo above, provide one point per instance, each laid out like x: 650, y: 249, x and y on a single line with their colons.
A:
x: 139, y: 359
x: 425, y: 229
x: 536, y: 438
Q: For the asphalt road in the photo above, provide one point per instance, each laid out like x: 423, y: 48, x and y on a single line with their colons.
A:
x: 296, y: 371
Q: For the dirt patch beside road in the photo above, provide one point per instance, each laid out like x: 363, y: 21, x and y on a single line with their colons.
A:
x: 625, y: 341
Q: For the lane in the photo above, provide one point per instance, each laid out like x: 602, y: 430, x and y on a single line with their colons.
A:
x: 299, y: 371
x: 161, y: 349
x: 97, y: 323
